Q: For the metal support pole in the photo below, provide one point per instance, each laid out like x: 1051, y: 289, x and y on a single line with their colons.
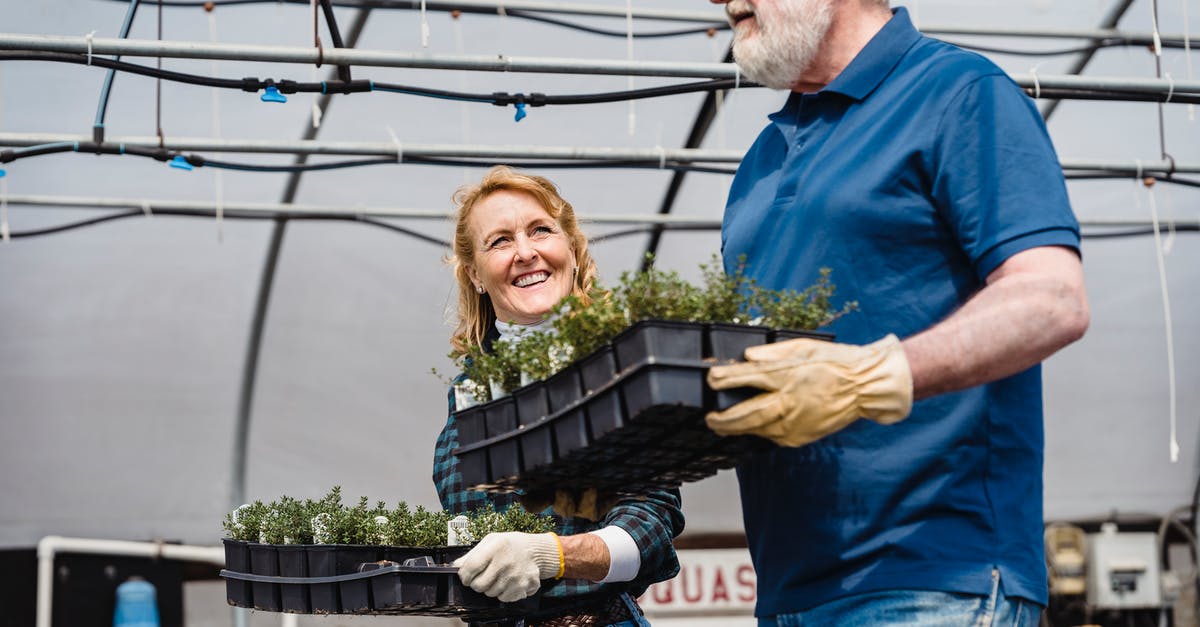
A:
x: 1110, y: 22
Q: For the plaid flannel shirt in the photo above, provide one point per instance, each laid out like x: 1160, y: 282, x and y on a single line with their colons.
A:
x: 652, y: 522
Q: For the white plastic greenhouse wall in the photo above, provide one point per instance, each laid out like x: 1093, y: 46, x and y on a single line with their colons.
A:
x: 123, y: 345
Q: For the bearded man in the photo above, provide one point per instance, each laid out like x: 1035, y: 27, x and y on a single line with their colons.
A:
x: 924, y: 177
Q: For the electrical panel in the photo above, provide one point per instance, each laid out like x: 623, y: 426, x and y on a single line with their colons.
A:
x: 1123, y: 570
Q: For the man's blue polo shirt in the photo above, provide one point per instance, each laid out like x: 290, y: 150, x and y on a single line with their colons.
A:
x: 913, y: 175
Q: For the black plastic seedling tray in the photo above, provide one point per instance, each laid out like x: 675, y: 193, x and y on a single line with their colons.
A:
x: 627, y: 418
x: 359, y: 579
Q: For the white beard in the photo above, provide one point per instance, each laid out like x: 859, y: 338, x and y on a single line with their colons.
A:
x: 786, y: 37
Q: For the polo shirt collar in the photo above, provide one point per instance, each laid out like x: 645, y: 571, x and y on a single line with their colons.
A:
x: 872, y: 64
x: 878, y: 58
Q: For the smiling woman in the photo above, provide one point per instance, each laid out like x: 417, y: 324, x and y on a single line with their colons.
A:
x: 518, y: 252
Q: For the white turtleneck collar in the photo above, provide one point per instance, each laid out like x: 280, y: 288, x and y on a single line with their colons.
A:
x: 513, y: 332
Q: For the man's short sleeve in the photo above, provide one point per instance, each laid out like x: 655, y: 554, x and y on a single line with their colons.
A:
x: 997, y: 182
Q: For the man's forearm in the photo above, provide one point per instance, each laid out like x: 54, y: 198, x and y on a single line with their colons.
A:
x: 1032, y: 306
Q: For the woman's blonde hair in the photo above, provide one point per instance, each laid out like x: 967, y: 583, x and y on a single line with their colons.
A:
x: 475, y: 312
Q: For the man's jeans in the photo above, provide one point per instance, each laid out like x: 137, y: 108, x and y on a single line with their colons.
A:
x: 918, y: 608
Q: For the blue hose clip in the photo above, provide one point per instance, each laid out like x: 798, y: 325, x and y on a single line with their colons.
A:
x: 520, y: 115
x: 271, y: 94
x: 2, y: 173
x: 180, y: 163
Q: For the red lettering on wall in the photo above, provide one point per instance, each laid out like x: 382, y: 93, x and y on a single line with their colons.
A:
x: 720, y: 593
x: 699, y: 581
x: 747, y: 583
x: 663, y: 592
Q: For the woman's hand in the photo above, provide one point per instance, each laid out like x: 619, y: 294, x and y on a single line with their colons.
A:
x: 511, y: 565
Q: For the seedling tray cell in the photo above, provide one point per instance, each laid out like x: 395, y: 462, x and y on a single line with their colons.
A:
x: 662, y: 385
x: 472, y: 423
x: 355, y: 594
x: 322, y: 562
x: 727, y: 343
x: 605, y: 413
x: 293, y: 562
x: 537, y: 446
x: 652, y: 340
x: 598, y: 369
x: 532, y: 404
x: 264, y: 560
x: 237, y: 558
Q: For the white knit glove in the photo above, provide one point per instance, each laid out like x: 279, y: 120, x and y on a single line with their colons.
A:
x: 511, y: 565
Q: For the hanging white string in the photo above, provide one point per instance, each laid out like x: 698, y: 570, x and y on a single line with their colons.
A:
x: 719, y: 97
x: 1166, y: 301
x: 1037, y: 85
x: 88, y: 37
x: 218, y: 181
x: 4, y: 235
x: 316, y: 101
x: 399, y: 146
x: 500, y: 9
x: 424, y: 26
x: 629, y: 56
x: 1169, y: 241
x: 463, y: 110
x: 1187, y: 55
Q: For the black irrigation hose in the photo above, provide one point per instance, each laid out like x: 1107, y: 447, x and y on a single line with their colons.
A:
x: 1179, y: 228
x: 1092, y: 176
x: 102, y: 106
x: 1059, y: 93
x: 336, y: 36
x: 233, y: 215
x: 197, y: 161
x: 254, y: 84
x: 1108, y: 42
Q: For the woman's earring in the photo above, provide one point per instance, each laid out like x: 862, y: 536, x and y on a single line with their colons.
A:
x: 479, y: 288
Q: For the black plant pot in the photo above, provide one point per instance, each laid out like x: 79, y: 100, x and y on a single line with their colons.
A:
x: 472, y: 424
x: 293, y: 562
x: 656, y: 384
x: 503, y: 456
x: 652, y: 340
x: 237, y: 559
x: 407, y: 589
x: 727, y: 343
x: 603, y: 407
x: 598, y: 368
x: 537, y: 448
x: 563, y: 388
x: 264, y: 560
x: 474, y: 466
x: 355, y: 594
x: 322, y: 562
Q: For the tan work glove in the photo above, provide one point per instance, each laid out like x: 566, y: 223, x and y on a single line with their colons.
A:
x: 589, y: 504
x: 814, y: 388
x: 510, y: 566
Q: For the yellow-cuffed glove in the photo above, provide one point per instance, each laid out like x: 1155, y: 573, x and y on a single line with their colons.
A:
x: 511, y: 565
x: 813, y: 389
